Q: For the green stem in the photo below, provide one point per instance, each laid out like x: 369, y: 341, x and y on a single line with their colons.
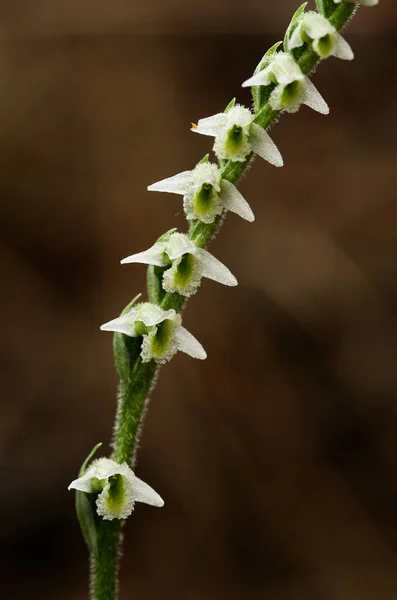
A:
x: 132, y: 400
x: 133, y: 396
x: 134, y: 390
x: 105, y: 562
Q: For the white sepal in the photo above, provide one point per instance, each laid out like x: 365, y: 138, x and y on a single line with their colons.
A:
x: 210, y: 125
x: 342, y: 48
x: 152, y: 256
x: 235, y: 202
x: 313, y: 99
x: 188, y: 344
x: 212, y: 268
x: 263, y: 145
x: 178, y: 184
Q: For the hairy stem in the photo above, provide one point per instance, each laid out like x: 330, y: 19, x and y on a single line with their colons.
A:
x: 134, y: 389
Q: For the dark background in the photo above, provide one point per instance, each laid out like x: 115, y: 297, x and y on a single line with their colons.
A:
x: 276, y: 457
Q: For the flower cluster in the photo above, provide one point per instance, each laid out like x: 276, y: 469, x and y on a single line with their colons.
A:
x: 178, y: 262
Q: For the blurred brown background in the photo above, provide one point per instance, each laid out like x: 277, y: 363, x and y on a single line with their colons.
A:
x: 277, y: 457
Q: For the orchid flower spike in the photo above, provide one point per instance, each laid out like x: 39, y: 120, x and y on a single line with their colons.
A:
x: 362, y: 2
x: 186, y: 264
x: 315, y: 29
x: 236, y: 136
x: 118, y: 489
x: 292, y: 89
x: 205, y: 193
x: 162, y: 332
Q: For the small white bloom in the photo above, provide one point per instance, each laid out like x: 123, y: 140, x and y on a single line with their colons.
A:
x: 236, y: 136
x: 187, y: 264
x: 162, y: 332
x: 363, y: 2
x: 292, y: 89
x: 118, y: 489
x: 326, y: 41
x: 205, y: 194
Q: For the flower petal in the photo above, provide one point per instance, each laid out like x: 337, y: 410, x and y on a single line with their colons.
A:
x: 124, y: 324
x: 177, y: 184
x: 106, y: 467
x: 151, y: 314
x: 212, y: 268
x: 261, y: 78
x: 210, y: 125
x: 295, y: 40
x: 235, y: 202
x: 316, y: 26
x: 343, y: 49
x: 314, y: 99
x: 264, y: 146
x: 152, y: 256
x: 142, y: 492
x: 178, y: 245
x: 188, y: 344
x: 84, y: 483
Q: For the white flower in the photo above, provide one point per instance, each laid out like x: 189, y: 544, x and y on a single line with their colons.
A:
x: 292, y: 89
x: 162, y: 332
x: 326, y: 41
x: 363, y: 2
x: 236, y: 136
x: 206, y: 194
x: 187, y: 264
x: 118, y: 489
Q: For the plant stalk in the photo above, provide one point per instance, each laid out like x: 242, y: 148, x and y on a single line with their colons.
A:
x: 134, y: 390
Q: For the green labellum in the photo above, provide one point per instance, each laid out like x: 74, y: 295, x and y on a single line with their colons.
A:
x: 184, y: 271
x: 204, y: 200
x: 235, y: 140
x: 116, y: 493
x: 161, y: 340
x: 290, y: 93
x: 325, y: 46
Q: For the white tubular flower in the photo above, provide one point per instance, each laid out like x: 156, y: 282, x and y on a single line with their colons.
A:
x: 187, y: 264
x: 315, y: 29
x: 362, y: 2
x: 236, y: 136
x: 292, y: 89
x: 205, y: 194
x: 118, y: 489
x: 162, y: 332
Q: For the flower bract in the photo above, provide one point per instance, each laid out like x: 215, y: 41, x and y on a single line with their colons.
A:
x: 237, y: 136
x: 186, y: 263
x: 205, y: 193
x: 118, y: 489
x: 292, y: 89
x: 161, y: 331
x: 316, y: 30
